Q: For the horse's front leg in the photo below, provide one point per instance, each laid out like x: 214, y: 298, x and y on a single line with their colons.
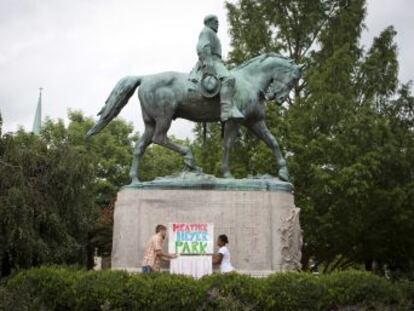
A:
x: 262, y: 132
x: 231, y: 128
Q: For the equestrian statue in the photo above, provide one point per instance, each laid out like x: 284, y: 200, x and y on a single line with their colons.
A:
x: 209, y: 93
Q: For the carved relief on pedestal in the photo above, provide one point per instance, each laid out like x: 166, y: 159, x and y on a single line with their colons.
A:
x: 291, y: 241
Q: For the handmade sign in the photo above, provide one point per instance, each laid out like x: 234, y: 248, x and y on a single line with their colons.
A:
x: 191, y: 238
x: 194, y: 242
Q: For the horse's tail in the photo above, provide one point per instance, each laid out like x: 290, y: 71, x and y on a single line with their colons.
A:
x: 118, y: 98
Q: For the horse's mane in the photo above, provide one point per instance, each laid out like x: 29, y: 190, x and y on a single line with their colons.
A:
x: 261, y: 58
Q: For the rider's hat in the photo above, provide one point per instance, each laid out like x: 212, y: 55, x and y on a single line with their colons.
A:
x: 209, y: 85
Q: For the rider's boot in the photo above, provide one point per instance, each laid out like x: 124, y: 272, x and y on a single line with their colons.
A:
x: 228, y: 108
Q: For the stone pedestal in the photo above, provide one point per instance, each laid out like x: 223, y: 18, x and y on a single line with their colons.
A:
x: 262, y: 224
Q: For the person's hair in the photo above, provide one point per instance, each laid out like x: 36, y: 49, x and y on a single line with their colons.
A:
x: 209, y: 18
x: 223, y: 238
x: 158, y: 228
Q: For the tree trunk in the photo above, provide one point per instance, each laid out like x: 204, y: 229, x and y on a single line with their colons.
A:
x: 369, y: 264
x: 5, y: 265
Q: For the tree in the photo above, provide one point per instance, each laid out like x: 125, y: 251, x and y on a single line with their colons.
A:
x: 110, y: 155
x: 57, y: 191
x: 47, y: 205
x: 347, y: 137
x: 110, y: 151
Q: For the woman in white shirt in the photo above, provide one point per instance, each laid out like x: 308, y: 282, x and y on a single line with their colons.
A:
x: 222, y: 257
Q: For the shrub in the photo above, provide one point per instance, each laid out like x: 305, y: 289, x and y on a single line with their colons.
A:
x: 294, y: 291
x: 45, y: 288
x: 224, y: 289
x: 60, y: 289
x: 172, y: 292
x: 97, y: 289
x: 355, y: 287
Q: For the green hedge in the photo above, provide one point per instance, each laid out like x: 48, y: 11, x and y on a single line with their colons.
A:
x: 60, y: 289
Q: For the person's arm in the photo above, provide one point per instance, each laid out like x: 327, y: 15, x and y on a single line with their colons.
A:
x: 159, y: 252
x: 217, y: 258
x: 166, y: 256
x: 207, y: 56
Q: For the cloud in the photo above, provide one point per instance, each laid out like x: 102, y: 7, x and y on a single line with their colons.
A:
x: 77, y: 50
x: 400, y: 14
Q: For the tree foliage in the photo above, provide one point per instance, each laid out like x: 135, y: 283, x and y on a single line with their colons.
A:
x: 47, y: 203
x: 57, y: 191
x: 348, y: 128
x: 111, y: 155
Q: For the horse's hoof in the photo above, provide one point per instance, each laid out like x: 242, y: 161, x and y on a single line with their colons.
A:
x: 192, y: 168
x: 196, y: 169
x: 134, y: 181
x: 283, y: 174
x: 228, y: 175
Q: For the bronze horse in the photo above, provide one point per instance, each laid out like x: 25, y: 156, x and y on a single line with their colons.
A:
x: 170, y: 95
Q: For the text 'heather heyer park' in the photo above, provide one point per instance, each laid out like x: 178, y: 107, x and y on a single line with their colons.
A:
x: 190, y: 238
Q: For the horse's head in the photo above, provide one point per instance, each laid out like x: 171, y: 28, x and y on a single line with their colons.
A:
x: 279, y: 74
x: 283, y: 80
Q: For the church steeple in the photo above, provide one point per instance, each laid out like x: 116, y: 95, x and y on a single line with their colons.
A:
x: 37, y: 123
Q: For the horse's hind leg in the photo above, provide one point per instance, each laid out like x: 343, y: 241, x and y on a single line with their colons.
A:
x: 262, y: 132
x: 139, y: 150
x: 231, y: 128
x: 160, y: 138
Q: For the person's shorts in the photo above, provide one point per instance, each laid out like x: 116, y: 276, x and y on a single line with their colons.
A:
x: 146, y: 269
